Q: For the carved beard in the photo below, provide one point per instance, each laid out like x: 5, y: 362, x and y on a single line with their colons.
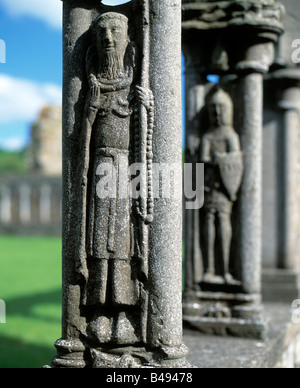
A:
x: 111, y: 65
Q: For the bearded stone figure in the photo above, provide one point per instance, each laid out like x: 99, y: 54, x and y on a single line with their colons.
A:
x: 111, y: 127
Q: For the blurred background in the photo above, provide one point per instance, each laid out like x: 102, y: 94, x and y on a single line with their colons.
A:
x: 30, y: 180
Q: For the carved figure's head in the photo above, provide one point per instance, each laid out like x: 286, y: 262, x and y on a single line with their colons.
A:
x: 112, y: 38
x: 220, y: 109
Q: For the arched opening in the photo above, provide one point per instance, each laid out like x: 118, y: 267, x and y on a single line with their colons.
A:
x: 115, y: 2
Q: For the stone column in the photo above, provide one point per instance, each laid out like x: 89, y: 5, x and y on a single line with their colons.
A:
x: 289, y: 103
x: 249, y: 104
x: 281, y: 281
x: 165, y: 245
x: 77, y: 18
x: 195, y: 92
x: 227, y: 300
x: 45, y: 204
x: 6, y: 202
x: 115, y: 314
x: 25, y: 203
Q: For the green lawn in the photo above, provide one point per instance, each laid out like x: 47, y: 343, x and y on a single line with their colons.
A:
x: 30, y: 285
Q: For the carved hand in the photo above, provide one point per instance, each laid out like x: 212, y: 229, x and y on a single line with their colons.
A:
x: 144, y: 96
x: 95, y: 95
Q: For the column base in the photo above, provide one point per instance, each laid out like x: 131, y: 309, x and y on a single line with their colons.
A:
x: 280, y: 285
x: 70, y: 354
x: 239, y: 315
x: 73, y: 354
x: 139, y: 357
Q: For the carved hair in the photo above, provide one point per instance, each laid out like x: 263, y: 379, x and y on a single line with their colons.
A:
x: 109, y: 16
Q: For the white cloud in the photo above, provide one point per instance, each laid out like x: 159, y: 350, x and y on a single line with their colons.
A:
x: 22, y: 99
x: 13, y: 143
x: 50, y: 11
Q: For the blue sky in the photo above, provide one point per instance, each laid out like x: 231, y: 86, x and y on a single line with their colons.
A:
x: 32, y: 74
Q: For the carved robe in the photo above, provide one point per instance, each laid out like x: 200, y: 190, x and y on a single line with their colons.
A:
x: 109, y: 240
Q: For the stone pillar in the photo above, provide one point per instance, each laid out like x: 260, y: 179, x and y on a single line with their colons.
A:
x: 6, y: 202
x: 25, y: 203
x: 290, y: 104
x: 281, y: 281
x: 45, y: 204
x: 249, y: 104
x: 227, y: 300
x: 121, y: 308
x: 195, y: 91
x: 281, y: 183
x: 77, y: 19
x: 165, y: 244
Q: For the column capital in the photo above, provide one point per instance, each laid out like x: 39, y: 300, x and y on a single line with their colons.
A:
x: 236, y: 36
x: 260, y: 16
x: 287, y: 84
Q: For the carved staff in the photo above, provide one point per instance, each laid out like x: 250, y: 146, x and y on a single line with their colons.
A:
x: 145, y: 208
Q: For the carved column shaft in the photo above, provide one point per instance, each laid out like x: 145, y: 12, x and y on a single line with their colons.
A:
x: 165, y: 260
x: 101, y: 327
x: 281, y: 253
x: 289, y: 103
x: 250, y: 105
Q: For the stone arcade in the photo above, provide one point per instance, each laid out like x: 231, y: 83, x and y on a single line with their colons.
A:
x: 223, y: 275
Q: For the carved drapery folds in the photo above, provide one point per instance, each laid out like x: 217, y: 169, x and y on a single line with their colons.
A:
x: 235, y: 40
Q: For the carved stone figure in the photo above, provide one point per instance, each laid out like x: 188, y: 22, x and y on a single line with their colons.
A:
x: 222, y: 156
x: 112, y: 102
